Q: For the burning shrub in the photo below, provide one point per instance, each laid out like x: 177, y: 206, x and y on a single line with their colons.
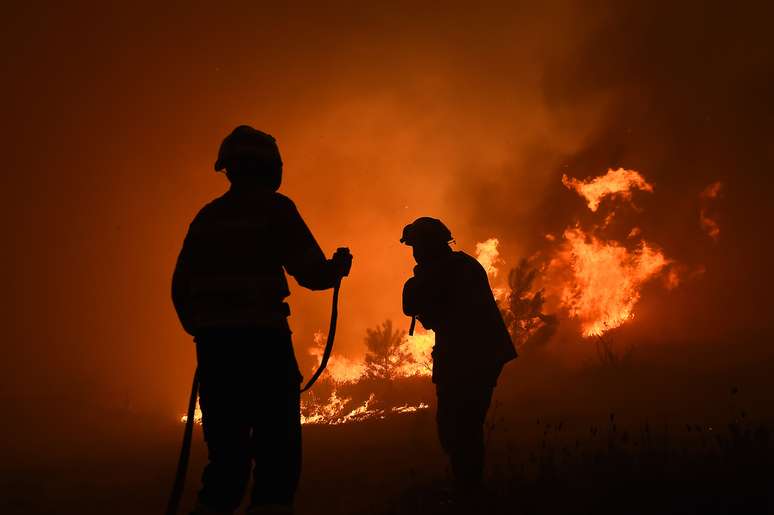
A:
x: 385, y: 353
x: 391, y: 379
x: 522, y: 311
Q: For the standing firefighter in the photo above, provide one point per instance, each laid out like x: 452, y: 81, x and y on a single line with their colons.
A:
x: 229, y: 290
x: 450, y: 294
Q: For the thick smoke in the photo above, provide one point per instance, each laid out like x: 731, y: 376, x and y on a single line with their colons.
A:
x: 383, y: 114
x: 687, y: 106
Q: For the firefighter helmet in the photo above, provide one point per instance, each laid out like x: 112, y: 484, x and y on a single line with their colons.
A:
x: 425, y: 230
x: 247, y: 142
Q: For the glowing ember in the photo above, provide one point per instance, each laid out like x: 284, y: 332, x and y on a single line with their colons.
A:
x: 331, y: 412
x: 615, y: 183
x: 672, y: 279
x: 605, y: 279
x: 327, y: 414
x: 709, y: 224
x: 409, y: 409
x: 197, y: 415
x: 712, y: 191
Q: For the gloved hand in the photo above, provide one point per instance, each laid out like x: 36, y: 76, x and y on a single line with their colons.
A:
x: 342, y: 261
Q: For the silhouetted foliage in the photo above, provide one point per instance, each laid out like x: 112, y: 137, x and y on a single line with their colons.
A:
x: 607, y: 357
x: 644, y: 469
x: 384, y: 352
x: 523, y: 312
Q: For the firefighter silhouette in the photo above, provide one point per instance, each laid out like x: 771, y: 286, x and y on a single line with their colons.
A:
x: 450, y: 294
x: 229, y: 291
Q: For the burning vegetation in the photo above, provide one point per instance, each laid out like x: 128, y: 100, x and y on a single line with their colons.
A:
x: 605, y: 279
x: 581, y: 275
x: 391, y: 379
x: 523, y: 310
x: 595, y: 280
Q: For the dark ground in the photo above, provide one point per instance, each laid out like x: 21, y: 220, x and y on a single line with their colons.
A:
x: 650, y: 436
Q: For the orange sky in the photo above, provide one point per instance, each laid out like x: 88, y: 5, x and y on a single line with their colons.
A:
x: 382, y: 114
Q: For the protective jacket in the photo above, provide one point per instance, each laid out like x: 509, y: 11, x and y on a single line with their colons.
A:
x: 451, y: 295
x: 229, y: 273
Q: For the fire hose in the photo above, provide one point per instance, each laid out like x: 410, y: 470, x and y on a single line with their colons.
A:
x: 185, y: 449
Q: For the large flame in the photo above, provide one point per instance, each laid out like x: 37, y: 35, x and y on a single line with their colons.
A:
x: 340, y: 369
x: 605, y: 279
x: 488, y: 254
x: 410, y: 358
x: 417, y: 348
x: 615, y: 183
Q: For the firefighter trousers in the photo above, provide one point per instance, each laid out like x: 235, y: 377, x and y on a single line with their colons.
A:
x: 460, y: 418
x: 249, y: 397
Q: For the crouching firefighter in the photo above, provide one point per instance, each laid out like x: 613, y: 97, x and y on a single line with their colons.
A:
x: 229, y: 290
x: 450, y: 294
